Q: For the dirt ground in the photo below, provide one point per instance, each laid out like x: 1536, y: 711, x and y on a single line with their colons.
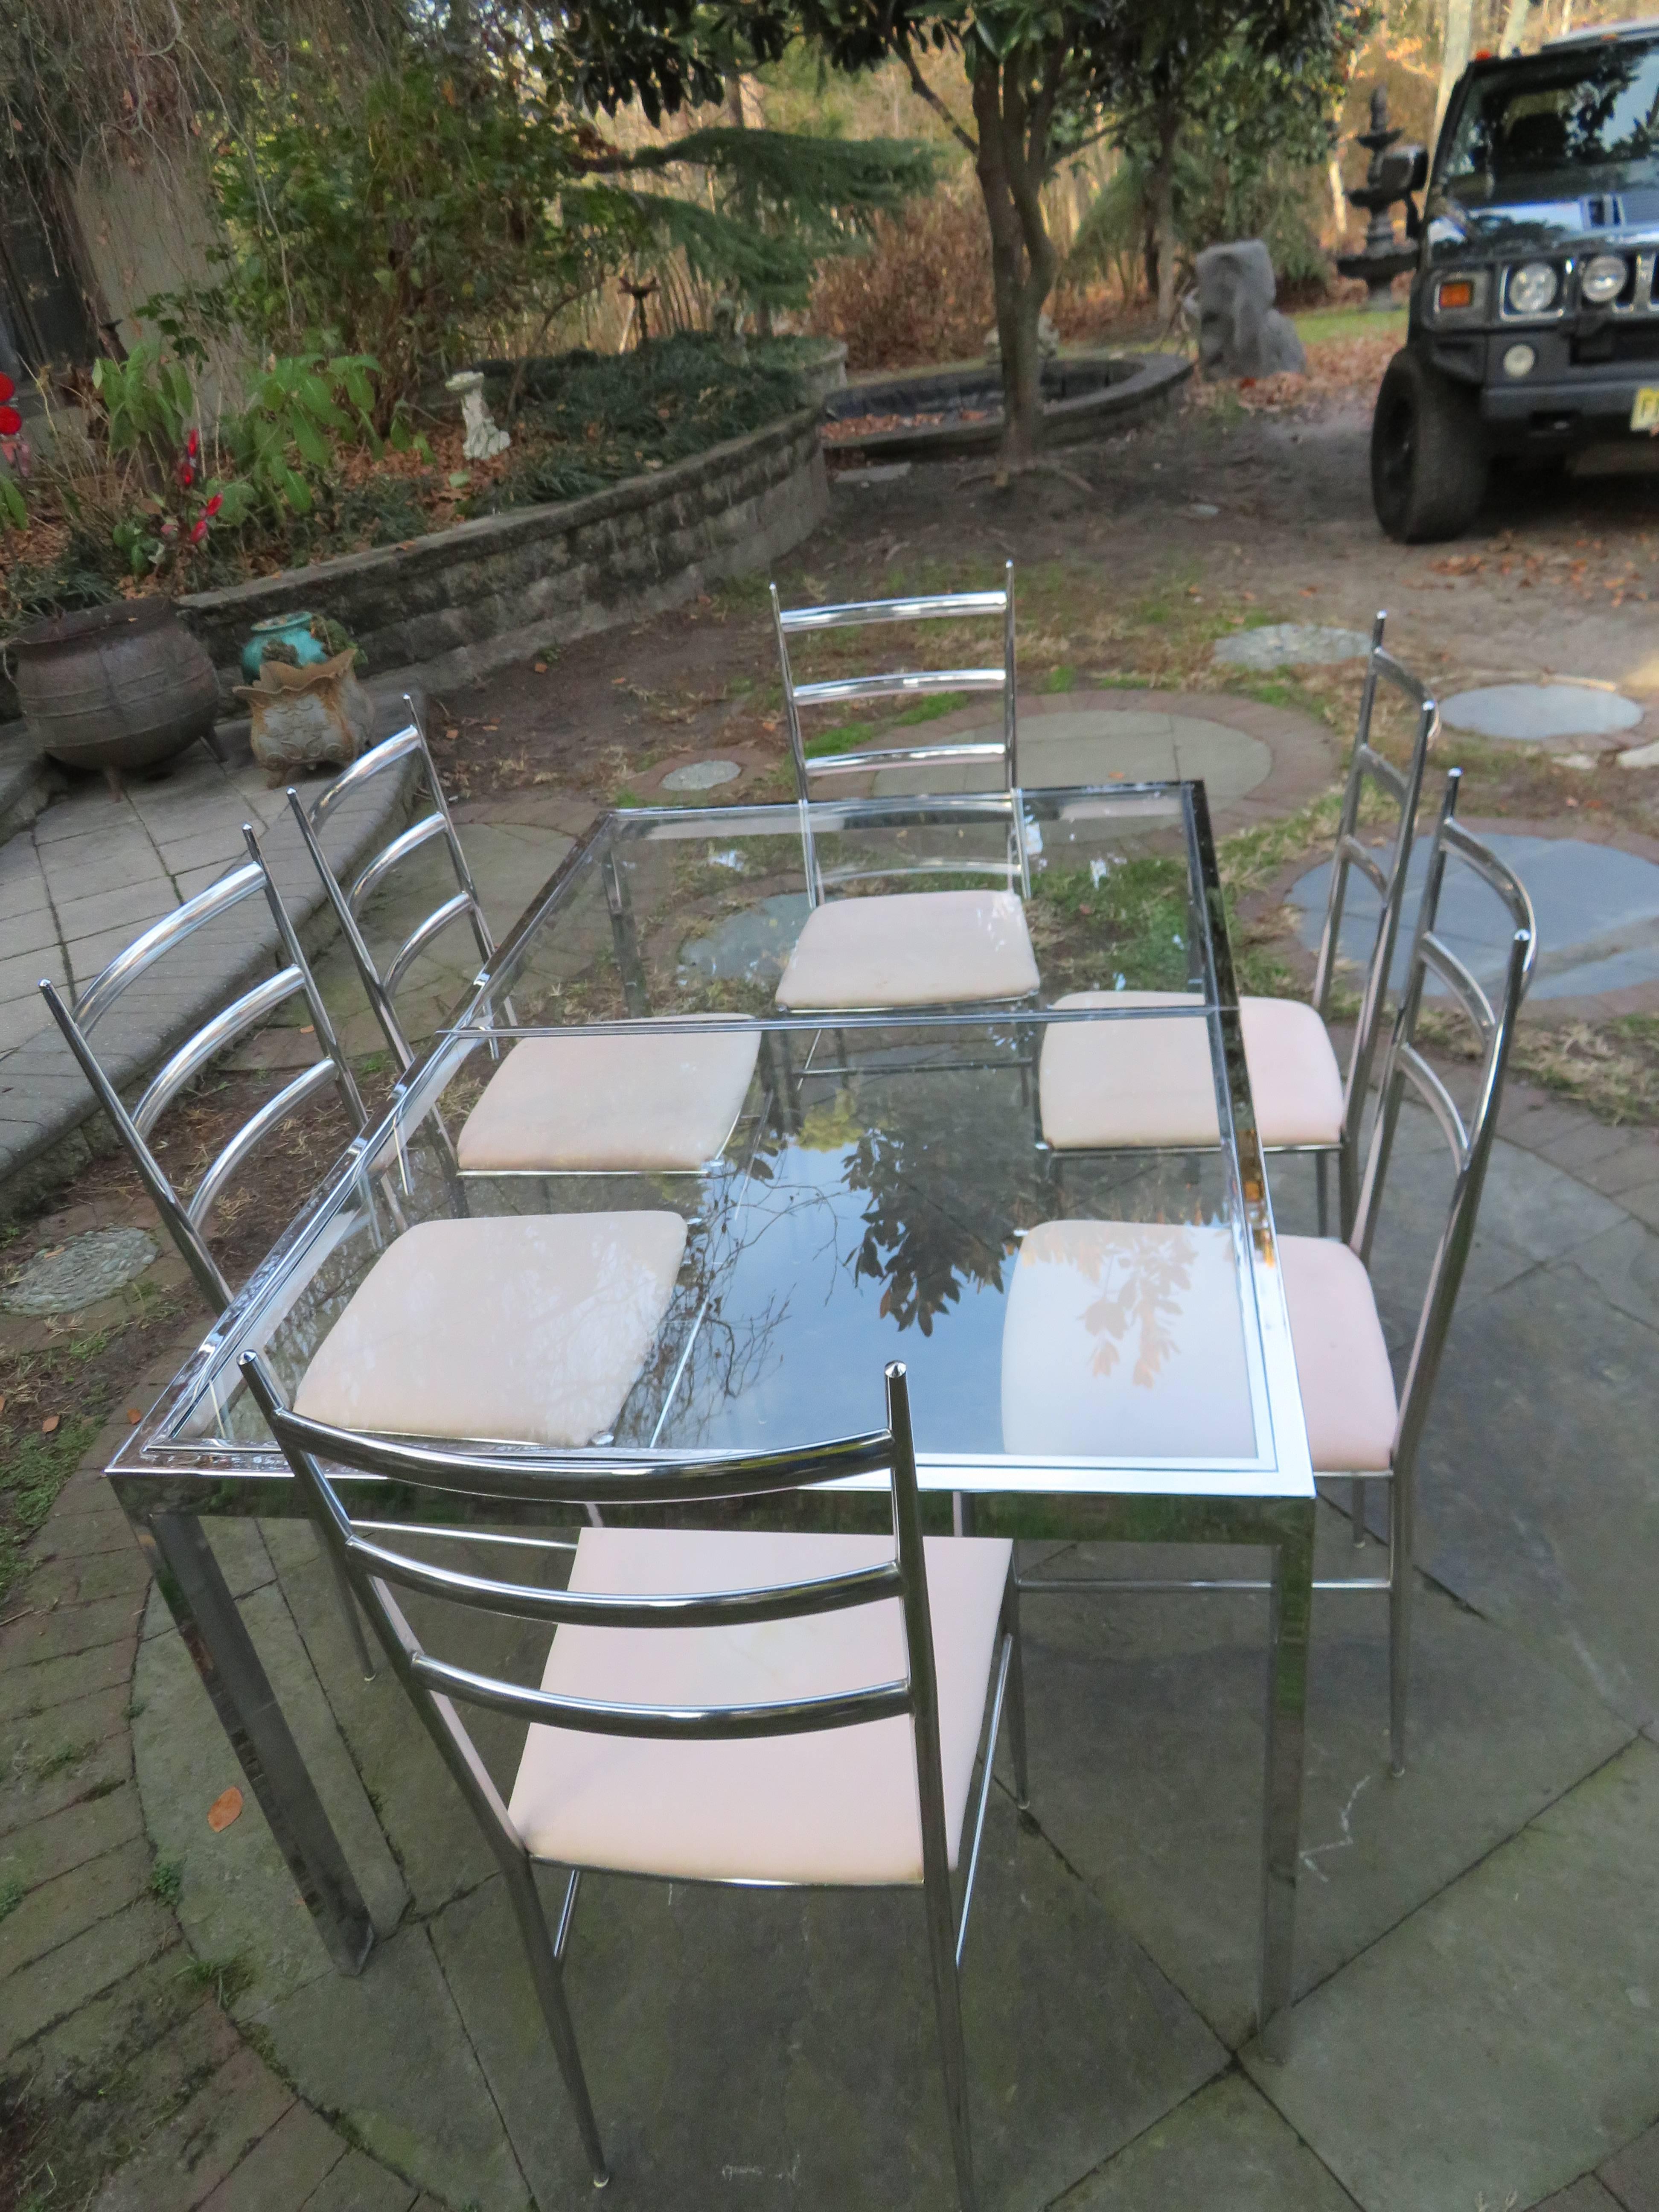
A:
x: 1121, y: 576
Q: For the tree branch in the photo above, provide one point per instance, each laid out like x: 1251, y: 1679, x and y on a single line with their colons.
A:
x: 923, y: 90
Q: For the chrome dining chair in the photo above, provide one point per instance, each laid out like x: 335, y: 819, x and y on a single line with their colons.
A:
x: 1144, y: 1085
x: 1358, y: 1427
x: 818, y: 1727
x: 381, y: 982
x: 907, y: 948
x: 185, y: 1217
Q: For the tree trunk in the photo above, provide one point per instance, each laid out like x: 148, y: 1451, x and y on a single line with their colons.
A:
x: 1162, y: 217
x: 1012, y: 162
x: 1459, y: 29
x: 1514, y: 24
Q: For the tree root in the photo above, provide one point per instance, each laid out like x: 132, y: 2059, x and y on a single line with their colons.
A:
x: 1001, y: 473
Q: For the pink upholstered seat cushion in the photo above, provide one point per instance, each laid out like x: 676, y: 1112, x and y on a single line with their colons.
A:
x: 1111, y: 1084
x: 1341, y: 1360
x: 1123, y: 1339
x: 529, y: 1327
x: 665, y: 1104
x: 911, y: 949
x: 839, y: 1806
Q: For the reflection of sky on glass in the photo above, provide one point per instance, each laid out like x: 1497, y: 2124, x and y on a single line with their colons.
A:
x: 819, y: 1373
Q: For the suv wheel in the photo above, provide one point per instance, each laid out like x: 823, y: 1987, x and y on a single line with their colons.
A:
x: 1428, y: 454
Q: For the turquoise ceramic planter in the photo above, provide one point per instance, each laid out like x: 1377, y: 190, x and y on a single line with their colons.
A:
x: 291, y: 630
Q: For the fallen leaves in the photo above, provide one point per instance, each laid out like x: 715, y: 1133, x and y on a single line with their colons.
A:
x: 49, y: 1426
x: 225, y: 1807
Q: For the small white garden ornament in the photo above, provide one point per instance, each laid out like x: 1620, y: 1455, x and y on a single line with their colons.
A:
x: 484, y: 438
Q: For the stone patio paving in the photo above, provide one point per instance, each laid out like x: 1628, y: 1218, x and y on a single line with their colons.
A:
x: 1476, y: 1946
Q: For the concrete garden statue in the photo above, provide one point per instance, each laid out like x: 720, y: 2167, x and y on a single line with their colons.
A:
x: 1240, y: 332
x: 484, y: 437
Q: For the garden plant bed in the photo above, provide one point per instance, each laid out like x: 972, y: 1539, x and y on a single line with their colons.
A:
x: 583, y: 423
x: 958, y: 412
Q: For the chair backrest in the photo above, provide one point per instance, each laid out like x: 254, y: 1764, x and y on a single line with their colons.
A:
x: 1471, y: 1140
x: 1369, y: 770
x: 595, y: 1478
x: 184, y: 1217
x: 999, y: 752
x: 381, y: 982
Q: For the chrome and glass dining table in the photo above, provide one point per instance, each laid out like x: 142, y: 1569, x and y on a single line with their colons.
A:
x: 885, y: 1192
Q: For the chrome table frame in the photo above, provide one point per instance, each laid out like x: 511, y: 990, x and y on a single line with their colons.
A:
x: 168, y: 1486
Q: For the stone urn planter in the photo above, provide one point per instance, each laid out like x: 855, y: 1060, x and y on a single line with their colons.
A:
x: 116, y: 688
x: 301, y: 720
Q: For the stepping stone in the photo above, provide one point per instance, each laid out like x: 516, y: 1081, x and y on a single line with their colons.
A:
x: 89, y: 1267
x: 1598, y: 915
x: 1532, y: 713
x: 702, y: 775
x: 1290, y: 645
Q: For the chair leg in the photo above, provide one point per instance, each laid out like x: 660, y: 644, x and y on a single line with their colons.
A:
x: 1321, y: 1184
x: 953, y: 2057
x: 549, y: 1978
x: 1016, y: 1695
x: 1399, y: 1617
x: 1357, y: 1508
x: 354, y: 1618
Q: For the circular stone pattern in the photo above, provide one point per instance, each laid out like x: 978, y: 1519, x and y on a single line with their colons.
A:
x: 89, y: 1267
x: 702, y: 775
x: 1598, y: 915
x: 1285, y: 645
x: 1106, y: 744
x: 1531, y: 714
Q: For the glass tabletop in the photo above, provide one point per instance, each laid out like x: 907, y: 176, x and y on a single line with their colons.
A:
x: 1071, y: 1320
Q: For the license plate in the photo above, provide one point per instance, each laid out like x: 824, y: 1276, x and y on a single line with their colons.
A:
x: 1644, y: 408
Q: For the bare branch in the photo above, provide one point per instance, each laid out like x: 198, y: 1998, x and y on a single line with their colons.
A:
x: 923, y: 90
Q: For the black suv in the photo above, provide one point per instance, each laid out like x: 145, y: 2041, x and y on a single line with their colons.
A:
x: 1534, y: 310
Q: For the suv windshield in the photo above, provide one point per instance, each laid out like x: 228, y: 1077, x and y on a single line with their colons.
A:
x: 1557, y: 126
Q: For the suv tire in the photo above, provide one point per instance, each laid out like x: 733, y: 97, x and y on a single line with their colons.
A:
x: 1429, y: 457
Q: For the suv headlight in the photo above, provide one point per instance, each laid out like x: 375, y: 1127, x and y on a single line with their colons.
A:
x: 1604, y: 278
x: 1532, y: 287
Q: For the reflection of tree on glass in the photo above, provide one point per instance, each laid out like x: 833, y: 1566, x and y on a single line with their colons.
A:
x: 1141, y: 1286
x: 916, y: 1235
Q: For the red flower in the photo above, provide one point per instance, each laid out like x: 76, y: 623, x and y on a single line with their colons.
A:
x: 194, y: 444
x: 10, y: 421
x: 198, y: 529
x: 214, y: 504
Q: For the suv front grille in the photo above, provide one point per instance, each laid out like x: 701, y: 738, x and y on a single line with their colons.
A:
x: 1617, y: 341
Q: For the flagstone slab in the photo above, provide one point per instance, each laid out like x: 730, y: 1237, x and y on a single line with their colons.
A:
x: 1597, y: 908
x: 780, y: 2047
x: 1226, y: 2147
x: 1507, y: 2035
x: 1536, y: 1496
x: 1146, y: 1729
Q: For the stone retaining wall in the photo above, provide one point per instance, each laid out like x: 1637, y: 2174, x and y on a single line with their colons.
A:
x: 469, y: 600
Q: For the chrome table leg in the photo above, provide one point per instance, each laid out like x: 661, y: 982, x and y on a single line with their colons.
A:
x: 217, y: 1640
x: 1291, y: 1605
